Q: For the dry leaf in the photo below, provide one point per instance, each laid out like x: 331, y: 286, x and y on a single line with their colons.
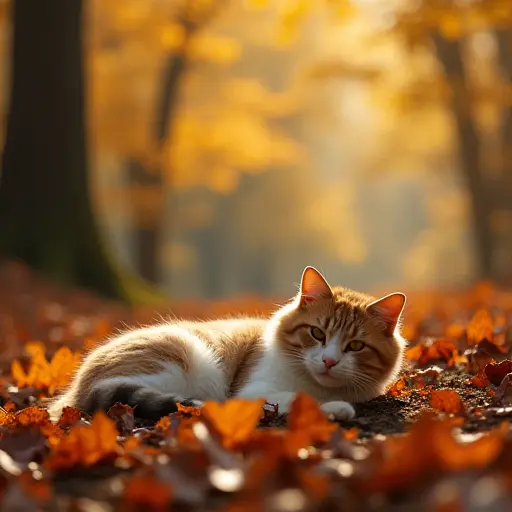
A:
x: 85, y: 445
x: 123, y: 417
x: 496, y: 371
x: 480, y: 327
x: 446, y: 400
x: 234, y: 420
x: 69, y: 416
x: 148, y: 493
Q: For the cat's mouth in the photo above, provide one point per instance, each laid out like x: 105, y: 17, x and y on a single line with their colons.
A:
x: 326, y: 378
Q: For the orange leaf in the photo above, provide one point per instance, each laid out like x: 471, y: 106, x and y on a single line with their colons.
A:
x: 85, y: 445
x: 480, y: 327
x: 429, y: 447
x: 414, y: 353
x: 35, y: 347
x: 193, y: 411
x: 235, y: 420
x: 9, y: 406
x: 308, y: 424
x: 69, y: 416
x: 147, y: 492
x: 480, y: 380
x: 163, y: 423
x: 446, y: 400
x: 399, y: 388
x: 32, y: 416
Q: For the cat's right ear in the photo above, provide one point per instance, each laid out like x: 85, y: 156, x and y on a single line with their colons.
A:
x: 313, y: 286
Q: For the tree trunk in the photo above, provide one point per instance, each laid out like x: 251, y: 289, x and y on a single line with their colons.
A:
x: 147, y: 240
x: 147, y: 235
x: 46, y: 216
x: 450, y: 57
x: 504, y: 40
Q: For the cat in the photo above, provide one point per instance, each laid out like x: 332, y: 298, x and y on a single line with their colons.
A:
x: 336, y: 344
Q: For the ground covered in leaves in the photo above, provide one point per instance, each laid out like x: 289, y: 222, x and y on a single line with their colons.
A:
x: 438, y: 440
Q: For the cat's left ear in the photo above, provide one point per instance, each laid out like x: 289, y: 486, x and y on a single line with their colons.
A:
x: 313, y: 286
x: 389, y: 309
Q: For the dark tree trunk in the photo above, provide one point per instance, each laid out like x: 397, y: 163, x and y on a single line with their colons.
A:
x: 147, y: 239
x: 46, y: 216
x: 504, y: 39
x: 147, y: 235
x: 450, y: 56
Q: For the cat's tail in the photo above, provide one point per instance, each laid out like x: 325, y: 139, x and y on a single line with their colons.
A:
x: 148, y: 403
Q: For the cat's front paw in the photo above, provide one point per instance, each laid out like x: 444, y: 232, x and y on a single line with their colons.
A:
x: 339, y: 410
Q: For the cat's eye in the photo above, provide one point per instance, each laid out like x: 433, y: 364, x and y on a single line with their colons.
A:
x: 355, y: 346
x: 318, y: 334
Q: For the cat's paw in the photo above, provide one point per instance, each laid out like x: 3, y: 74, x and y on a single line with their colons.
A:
x: 339, y: 410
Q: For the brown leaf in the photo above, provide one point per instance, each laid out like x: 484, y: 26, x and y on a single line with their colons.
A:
x: 503, y: 395
x: 123, y: 417
x: 496, y: 371
x: 24, y: 445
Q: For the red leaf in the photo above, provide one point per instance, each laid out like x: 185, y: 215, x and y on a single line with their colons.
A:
x: 496, y: 371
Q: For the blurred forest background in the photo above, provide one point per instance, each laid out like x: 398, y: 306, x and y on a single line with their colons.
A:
x: 216, y: 147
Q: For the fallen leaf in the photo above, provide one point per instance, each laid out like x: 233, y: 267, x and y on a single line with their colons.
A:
x: 480, y: 327
x: 69, y: 416
x: 480, y: 380
x: 163, y: 423
x: 503, y: 395
x: 85, y: 445
x: 24, y: 445
x: 308, y: 424
x: 234, y: 420
x: 123, y: 417
x: 191, y: 411
x: 148, y: 493
x: 496, y: 371
x: 428, y: 449
x: 446, y: 400
x: 399, y: 388
x: 45, y: 375
x: 414, y: 353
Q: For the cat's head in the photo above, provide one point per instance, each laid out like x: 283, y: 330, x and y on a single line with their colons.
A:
x: 342, y: 338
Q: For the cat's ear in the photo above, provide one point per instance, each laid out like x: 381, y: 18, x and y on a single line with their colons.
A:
x: 313, y: 286
x: 389, y: 309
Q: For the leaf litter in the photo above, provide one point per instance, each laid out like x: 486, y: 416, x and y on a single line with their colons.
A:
x: 439, y: 439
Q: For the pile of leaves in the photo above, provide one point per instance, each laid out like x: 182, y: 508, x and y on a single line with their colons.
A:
x: 439, y: 439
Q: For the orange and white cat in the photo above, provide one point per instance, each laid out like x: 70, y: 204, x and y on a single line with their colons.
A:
x: 338, y: 345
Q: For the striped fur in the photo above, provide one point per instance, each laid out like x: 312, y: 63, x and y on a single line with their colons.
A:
x: 155, y: 367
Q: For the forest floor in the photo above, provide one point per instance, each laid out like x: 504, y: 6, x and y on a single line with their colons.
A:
x: 437, y: 440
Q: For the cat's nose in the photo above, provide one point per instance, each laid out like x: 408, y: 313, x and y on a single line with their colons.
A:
x: 329, y: 363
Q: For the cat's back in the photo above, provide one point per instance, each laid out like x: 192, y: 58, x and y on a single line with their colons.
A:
x: 237, y: 342
x: 226, y: 327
